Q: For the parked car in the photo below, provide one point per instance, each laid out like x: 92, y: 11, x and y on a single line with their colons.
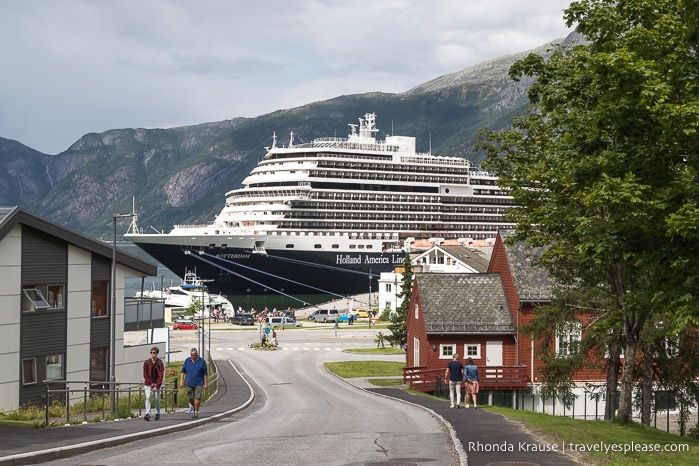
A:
x: 325, y: 315
x: 345, y: 317
x: 243, y: 319
x: 276, y: 322
x: 361, y: 313
x: 184, y: 324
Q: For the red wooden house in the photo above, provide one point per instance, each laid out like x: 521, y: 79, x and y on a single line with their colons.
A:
x: 480, y: 315
x: 464, y: 313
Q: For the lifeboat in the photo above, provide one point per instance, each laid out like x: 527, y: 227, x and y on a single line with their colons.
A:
x: 421, y: 243
x: 450, y: 242
x: 480, y: 243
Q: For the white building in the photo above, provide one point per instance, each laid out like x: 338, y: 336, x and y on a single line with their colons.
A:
x: 437, y: 259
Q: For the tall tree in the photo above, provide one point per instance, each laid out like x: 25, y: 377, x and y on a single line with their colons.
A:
x: 604, y: 168
x: 398, y: 325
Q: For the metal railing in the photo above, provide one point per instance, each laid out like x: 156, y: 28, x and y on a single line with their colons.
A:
x: 491, y: 378
x: 509, y: 387
x: 99, y: 393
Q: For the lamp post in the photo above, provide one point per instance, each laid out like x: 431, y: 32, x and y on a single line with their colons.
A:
x: 395, y: 291
x: 112, y: 341
x: 370, y: 277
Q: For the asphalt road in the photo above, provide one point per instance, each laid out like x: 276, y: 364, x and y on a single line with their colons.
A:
x: 302, y: 414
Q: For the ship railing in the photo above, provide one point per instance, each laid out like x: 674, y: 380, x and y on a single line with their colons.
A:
x: 447, y: 161
x: 346, y: 144
x: 190, y: 226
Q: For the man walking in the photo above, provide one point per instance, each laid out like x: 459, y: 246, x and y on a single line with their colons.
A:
x: 153, y: 370
x: 195, y: 372
x: 454, y: 373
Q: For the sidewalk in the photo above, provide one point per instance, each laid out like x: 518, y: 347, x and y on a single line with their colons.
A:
x: 469, y: 428
x: 32, y: 446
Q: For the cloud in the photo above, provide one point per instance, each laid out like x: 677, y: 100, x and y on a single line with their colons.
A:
x: 80, y: 66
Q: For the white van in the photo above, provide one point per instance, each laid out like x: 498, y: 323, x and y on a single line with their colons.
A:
x: 325, y: 315
x: 276, y: 322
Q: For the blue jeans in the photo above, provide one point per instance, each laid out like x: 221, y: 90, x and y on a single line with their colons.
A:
x: 150, y: 390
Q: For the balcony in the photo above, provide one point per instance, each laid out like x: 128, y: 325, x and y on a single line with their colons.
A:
x: 492, y: 378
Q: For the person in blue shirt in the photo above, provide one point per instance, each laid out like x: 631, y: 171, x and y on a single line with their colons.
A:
x: 195, y: 372
x: 471, y: 378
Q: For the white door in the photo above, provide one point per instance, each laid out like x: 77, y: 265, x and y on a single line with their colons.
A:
x: 493, y: 353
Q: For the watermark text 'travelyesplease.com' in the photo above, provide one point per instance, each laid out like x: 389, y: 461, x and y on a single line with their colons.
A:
x: 571, y: 447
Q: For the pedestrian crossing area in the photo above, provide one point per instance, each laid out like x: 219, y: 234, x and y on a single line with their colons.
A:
x: 298, y: 347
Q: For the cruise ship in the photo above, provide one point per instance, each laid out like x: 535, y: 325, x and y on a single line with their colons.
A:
x: 330, y: 215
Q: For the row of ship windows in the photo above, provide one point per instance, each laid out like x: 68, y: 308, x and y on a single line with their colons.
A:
x: 336, y: 246
x: 497, y: 196
x: 447, y: 226
x: 422, y: 199
x: 414, y: 164
x: 419, y: 208
x: 389, y: 169
x: 369, y: 176
x: 430, y: 218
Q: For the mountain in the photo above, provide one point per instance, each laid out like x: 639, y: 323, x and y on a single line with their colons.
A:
x: 180, y: 175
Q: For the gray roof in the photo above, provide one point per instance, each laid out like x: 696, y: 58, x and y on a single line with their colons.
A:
x: 464, y: 303
x: 531, y: 281
x: 11, y: 216
x: 474, y: 259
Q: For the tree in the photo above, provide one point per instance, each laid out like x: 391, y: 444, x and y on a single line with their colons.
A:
x: 398, y: 328
x: 604, y: 168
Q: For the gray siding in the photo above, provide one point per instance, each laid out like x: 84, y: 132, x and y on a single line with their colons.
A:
x: 43, y: 332
x: 100, y: 327
x: 44, y: 258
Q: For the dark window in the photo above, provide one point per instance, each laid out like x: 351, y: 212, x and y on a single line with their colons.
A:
x: 98, y: 364
x: 99, y: 299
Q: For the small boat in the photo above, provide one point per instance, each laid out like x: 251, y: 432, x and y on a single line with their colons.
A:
x: 191, y: 290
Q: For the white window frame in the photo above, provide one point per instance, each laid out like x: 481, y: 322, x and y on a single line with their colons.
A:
x: 33, y: 380
x: 57, y: 292
x: 33, y: 300
x: 567, y: 339
x: 447, y: 351
x: 55, y: 360
x: 471, y: 345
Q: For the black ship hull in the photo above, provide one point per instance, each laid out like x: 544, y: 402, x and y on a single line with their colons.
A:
x: 240, y: 272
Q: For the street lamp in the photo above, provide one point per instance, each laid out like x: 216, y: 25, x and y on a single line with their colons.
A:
x: 112, y: 341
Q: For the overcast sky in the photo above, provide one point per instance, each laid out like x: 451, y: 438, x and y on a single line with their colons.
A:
x: 72, y: 67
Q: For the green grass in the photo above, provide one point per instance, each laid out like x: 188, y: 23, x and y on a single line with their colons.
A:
x: 386, y: 382
x: 387, y: 350
x: 559, y: 429
x: 352, y: 369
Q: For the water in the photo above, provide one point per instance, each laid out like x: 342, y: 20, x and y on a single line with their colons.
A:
x: 166, y: 277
